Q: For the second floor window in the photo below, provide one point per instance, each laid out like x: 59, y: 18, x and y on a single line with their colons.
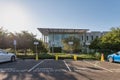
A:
x: 82, y: 38
x: 91, y: 37
x: 87, y: 38
x: 96, y: 36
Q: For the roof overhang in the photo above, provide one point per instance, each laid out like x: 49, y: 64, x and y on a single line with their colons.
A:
x: 46, y: 31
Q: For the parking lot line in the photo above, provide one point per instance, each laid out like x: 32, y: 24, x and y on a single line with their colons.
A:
x: 67, y: 65
x: 99, y: 66
x: 35, y: 66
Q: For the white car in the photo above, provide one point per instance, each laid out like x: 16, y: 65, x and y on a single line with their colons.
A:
x: 5, y: 56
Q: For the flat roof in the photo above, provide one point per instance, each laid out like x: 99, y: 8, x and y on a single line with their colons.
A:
x: 46, y: 31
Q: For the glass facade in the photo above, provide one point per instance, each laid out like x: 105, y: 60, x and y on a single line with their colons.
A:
x: 55, y: 36
x: 56, y: 39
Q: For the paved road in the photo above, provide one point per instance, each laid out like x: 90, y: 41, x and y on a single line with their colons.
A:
x: 50, y: 69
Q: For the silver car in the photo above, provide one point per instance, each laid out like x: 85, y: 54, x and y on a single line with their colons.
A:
x: 5, y: 56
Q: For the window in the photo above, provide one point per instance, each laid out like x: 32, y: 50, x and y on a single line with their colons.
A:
x: 82, y: 38
x: 56, y: 36
x: 87, y: 38
x: 91, y: 37
x: 96, y: 36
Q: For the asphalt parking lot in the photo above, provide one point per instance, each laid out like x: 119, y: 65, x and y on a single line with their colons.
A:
x: 50, y: 69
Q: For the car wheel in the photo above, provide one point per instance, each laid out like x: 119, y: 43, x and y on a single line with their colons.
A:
x: 13, y: 58
x: 110, y: 59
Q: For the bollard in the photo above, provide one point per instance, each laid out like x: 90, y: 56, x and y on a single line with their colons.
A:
x: 36, y: 58
x: 56, y: 57
x: 102, y: 57
x: 75, y: 57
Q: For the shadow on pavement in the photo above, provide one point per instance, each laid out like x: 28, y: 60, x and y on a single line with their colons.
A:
x: 36, y: 76
x: 94, y: 68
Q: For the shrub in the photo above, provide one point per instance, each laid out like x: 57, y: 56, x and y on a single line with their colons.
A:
x: 56, y: 49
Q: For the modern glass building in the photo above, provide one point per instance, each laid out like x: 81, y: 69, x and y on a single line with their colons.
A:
x: 53, y: 36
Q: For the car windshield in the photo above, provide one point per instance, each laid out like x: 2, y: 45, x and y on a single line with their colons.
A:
x: 118, y: 52
x: 2, y: 51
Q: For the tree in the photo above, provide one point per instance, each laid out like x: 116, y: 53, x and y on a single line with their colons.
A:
x: 71, y: 44
x: 10, y: 37
x: 25, y: 40
x: 111, y: 40
x: 95, y: 44
x: 3, y: 38
x: 41, y: 47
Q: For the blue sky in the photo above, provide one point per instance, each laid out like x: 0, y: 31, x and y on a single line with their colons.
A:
x: 96, y: 15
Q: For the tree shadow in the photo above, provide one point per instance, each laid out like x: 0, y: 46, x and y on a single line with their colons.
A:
x: 94, y: 68
x: 36, y: 76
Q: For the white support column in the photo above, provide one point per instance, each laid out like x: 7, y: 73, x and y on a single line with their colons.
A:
x: 53, y: 43
x: 44, y: 38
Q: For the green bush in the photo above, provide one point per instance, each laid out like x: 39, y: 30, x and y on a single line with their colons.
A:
x: 97, y: 55
x: 26, y: 56
x: 56, y: 49
x: 60, y: 56
x: 77, y: 51
x: 41, y: 56
x: 10, y: 50
x: 46, y: 56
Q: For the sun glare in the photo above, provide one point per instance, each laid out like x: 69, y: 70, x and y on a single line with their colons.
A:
x: 14, y: 16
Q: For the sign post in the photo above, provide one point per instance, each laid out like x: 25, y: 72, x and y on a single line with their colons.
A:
x: 36, y: 43
x: 14, y: 43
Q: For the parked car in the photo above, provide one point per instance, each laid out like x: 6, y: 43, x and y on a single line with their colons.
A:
x: 115, y: 57
x: 5, y: 56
